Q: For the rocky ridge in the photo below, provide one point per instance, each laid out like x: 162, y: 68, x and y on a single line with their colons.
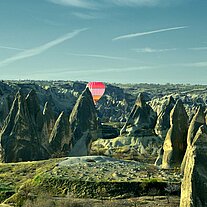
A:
x: 197, y: 121
x: 29, y: 133
x: 163, y: 120
x: 83, y: 124
x: 175, y: 143
x: 194, y: 184
x: 137, y: 137
x: 21, y: 135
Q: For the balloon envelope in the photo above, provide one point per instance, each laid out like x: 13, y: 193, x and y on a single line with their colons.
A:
x: 97, y: 90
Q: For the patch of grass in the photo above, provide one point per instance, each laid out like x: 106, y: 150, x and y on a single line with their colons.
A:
x: 14, y: 175
x: 57, y: 186
x: 27, y: 180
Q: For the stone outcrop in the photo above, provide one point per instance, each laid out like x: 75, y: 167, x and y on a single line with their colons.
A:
x: 30, y: 133
x: 141, y: 121
x: 21, y: 138
x: 194, y: 184
x: 163, y: 120
x: 6, y: 99
x: 206, y: 116
x: 49, y: 118
x: 197, y: 120
x: 83, y: 124
x: 175, y: 143
x: 60, y: 137
x: 137, y: 137
x: 108, y: 131
x: 5, y: 104
x: 158, y: 161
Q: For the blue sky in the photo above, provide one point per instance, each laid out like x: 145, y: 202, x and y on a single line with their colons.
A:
x: 123, y: 41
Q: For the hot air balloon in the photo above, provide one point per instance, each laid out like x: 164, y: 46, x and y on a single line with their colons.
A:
x: 97, y: 90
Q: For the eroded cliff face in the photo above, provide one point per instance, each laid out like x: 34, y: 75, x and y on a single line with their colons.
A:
x: 21, y: 136
x: 60, y: 137
x: 32, y: 134
x: 163, y: 120
x: 83, y: 124
x: 175, y: 143
x: 142, y: 119
x: 197, y: 120
x: 6, y: 99
x: 137, y: 137
x: 194, y: 184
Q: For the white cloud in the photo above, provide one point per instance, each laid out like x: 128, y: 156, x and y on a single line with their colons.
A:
x: 38, y: 50
x: 86, y: 16
x: 78, y: 74
x: 12, y: 48
x: 195, y: 64
x: 136, y: 2
x: 198, y: 48
x: 87, y: 4
x: 128, y: 36
x: 100, y: 70
x: 93, y: 4
x: 152, y: 50
x: 148, y: 3
x: 99, y: 56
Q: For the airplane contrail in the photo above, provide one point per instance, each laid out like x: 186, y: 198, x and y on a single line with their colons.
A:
x: 38, y: 50
x: 147, y: 33
x: 11, y: 48
x: 99, y: 56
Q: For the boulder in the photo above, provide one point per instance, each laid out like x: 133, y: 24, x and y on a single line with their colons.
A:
x: 83, y: 124
x: 194, y: 184
x: 175, y: 143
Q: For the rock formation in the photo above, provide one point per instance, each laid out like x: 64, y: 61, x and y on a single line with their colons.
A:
x: 83, y: 124
x: 137, y: 137
x: 141, y: 121
x: 206, y: 116
x: 6, y: 99
x: 175, y: 143
x: 4, y: 108
x: 158, y: 161
x: 20, y: 137
x: 194, y: 184
x: 32, y: 134
x: 108, y: 131
x: 60, y: 137
x: 49, y: 119
x: 197, y: 120
x: 163, y: 120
